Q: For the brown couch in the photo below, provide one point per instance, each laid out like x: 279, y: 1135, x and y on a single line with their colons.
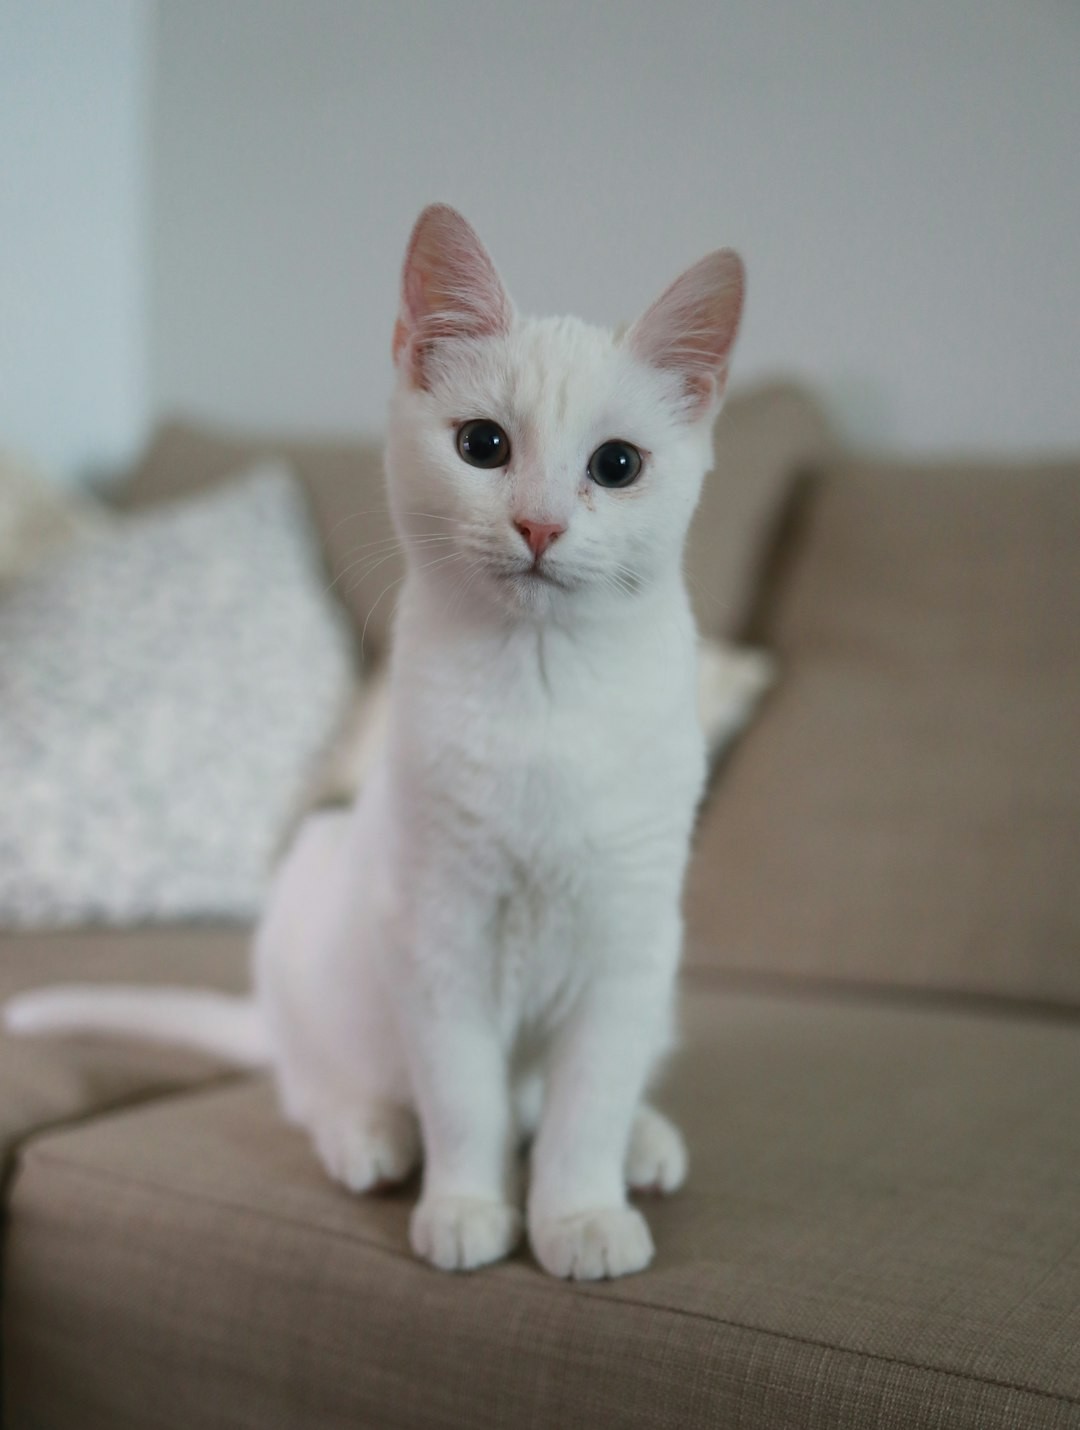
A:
x: 880, y: 1077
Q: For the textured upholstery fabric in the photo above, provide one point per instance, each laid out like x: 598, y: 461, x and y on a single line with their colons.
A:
x: 764, y: 439
x: 881, y: 1230
x: 906, y: 807
x: 767, y: 440
x: 48, y: 1081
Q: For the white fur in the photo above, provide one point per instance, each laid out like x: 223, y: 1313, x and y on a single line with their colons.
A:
x: 484, y: 949
x: 215, y: 1023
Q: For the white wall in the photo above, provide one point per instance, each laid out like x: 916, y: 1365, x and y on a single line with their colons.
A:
x: 72, y: 230
x: 904, y: 180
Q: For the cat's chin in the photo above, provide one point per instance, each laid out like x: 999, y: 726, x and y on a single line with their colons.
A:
x: 526, y: 589
x: 530, y: 592
x: 534, y: 579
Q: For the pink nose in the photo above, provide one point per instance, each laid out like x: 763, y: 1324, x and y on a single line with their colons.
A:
x: 538, y: 534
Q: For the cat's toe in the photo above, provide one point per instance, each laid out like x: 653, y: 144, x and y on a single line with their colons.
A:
x: 462, y: 1233
x: 593, y: 1245
x: 656, y: 1159
x: 368, y: 1149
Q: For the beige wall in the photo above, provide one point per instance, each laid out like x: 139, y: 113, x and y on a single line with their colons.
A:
x: 904, y: 180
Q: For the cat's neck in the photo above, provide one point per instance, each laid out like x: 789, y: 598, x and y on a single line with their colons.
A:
x: 592, y: 637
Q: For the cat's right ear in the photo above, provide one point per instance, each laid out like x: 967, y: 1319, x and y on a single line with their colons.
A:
x: 449, y: 289
x: 690, y: 330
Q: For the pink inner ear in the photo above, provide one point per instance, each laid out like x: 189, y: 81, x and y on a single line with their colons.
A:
x: 690, y: 330
x: 449, y: 289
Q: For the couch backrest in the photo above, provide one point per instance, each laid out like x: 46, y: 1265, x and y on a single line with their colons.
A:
x: 907, y: 808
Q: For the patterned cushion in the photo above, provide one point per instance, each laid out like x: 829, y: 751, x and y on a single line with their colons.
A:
x: 164, y: 689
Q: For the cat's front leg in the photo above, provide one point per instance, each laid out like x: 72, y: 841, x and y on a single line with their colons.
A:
x: 580, y: 1223
x: 467, y: 1215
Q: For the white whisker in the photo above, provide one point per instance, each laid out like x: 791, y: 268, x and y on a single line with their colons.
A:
x: 384, y: 553
x: 427, y: 566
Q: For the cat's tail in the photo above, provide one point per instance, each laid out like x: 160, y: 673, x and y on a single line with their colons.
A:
x: 223, y: 1024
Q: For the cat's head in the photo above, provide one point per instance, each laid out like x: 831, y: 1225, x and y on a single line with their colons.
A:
x: 535, y: 463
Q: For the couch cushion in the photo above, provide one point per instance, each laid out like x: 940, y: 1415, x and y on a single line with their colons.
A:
x: 906, y: 808
x: 46, y: 1081
x: 768, y: 440
x: 880, y: 1229
x: 764, y: 439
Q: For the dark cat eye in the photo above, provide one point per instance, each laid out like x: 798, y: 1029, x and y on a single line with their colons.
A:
x: 483, y: 443
x: 614, y: 464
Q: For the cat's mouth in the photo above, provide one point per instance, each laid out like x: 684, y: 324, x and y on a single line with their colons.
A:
x: 527, y: 576
x: 537, y: 575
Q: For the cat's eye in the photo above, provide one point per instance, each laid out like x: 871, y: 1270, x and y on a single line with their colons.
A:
x: 483, y: 443
x: 615, y: 464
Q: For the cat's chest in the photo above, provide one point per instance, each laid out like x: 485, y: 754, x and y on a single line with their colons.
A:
x: 550, y: 824
x: 546, y: 786
x: 553, y: 820
x: 550, y: 776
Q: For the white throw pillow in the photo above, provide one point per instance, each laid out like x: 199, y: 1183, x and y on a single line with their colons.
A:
x: 166, y: 687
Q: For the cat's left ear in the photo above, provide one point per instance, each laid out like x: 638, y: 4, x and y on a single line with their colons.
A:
x: 450, y: 289
x: 690, y: 330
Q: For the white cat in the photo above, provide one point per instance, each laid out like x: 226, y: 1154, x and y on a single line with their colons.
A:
x: 484, y: 950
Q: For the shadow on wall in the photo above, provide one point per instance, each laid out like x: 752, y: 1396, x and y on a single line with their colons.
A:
x: 861, y: 412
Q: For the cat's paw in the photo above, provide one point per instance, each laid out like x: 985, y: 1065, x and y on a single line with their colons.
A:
x: 461, y: 1233
x: 367, y: 1148
x: 656, y: 1158
x: 593, y: 1245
